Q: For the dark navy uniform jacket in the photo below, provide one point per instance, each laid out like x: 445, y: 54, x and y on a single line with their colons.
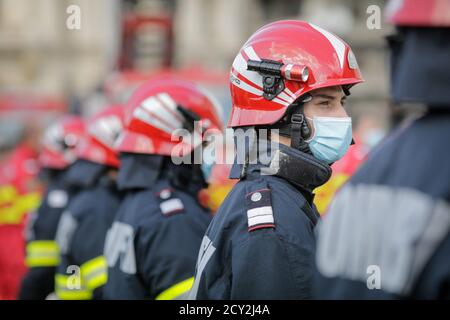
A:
x: 387, y: 232
x: 152, y: 246
x: 260, y: 244
x: 42, y: 254
x: 82, y: 230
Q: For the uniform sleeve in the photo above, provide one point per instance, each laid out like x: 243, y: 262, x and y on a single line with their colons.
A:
x: 266, y: 266
x: 88, y: 254
x: 435, y: 280
x: 42, y: 252
x: 272, y: 255
x: 166, y: 255
x: 69, y: 284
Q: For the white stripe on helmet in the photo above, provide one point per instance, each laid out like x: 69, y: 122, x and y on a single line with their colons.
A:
x: 289, y: 92
x: 337, y: 44
x: 144, y: 114
x: 250, y: 52
x: 240, y: 65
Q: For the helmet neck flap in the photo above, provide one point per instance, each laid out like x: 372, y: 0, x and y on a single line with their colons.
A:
x: 263, y: 157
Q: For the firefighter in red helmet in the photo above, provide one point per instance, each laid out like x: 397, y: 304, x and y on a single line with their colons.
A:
x: 152, y: 246
x: 288, y: 84
x: 82, y: 228
x: 42, y: 253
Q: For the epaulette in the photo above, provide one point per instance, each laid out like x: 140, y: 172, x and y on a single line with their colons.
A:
x: 169, y: 204
x: 259, y: 210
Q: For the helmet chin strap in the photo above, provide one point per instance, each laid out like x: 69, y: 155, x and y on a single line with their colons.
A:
x: 295, y: 126
x: 299, y: 129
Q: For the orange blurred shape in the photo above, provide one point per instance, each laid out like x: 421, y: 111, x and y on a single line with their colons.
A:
x: 343, y: 169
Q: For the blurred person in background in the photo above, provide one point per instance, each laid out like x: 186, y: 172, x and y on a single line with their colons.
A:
x: 19, y: 195
x: 81, y: 231
x: 367, y: 134
x: 387, y: 232
x: 151, y: 248
x: 291, y: 76
x: 42, y: 253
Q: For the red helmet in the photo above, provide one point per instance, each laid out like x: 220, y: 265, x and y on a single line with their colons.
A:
x: 59, y: 142
x: 292, y: 58
x: 161, y: 106
x: 419, y: 13
x: 101, y: 134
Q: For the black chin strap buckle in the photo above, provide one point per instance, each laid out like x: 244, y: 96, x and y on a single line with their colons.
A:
x: 297, y: 118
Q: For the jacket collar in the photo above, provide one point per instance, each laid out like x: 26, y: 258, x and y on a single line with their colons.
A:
x: 138, y: 171
x: 302, y: 170
x: 142, y: 171
x: 84, y: 173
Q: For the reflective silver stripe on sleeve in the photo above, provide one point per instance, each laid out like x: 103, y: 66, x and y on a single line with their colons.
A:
x: 206, y: 251
x: 396, y: 229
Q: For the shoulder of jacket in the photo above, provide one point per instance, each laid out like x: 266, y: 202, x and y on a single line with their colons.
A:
x: 169, y: 202
x: 258, y: 204
x: 57, y: 198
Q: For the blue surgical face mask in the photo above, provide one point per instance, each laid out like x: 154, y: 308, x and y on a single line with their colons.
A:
x: 208, y: 162
x: 207, y: 169
x: 332, y: 137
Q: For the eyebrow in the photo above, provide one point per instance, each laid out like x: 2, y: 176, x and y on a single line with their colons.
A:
x: 326, y: 96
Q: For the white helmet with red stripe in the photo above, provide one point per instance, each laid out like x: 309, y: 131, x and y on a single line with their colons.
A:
x: 159, y: 108
x: 281, y: 62
x: 102, y: 131
x: 59, y: 142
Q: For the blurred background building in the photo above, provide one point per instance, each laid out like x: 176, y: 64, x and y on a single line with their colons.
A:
x: 41, y: 57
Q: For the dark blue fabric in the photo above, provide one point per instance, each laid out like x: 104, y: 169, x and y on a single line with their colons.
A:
x: 84, y: 173
x: 421, y: 67
x: 165, y: 247
x: 263, y: 263
x: 416, y: 157
x: 94, y: 209
x: 38, y: 283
